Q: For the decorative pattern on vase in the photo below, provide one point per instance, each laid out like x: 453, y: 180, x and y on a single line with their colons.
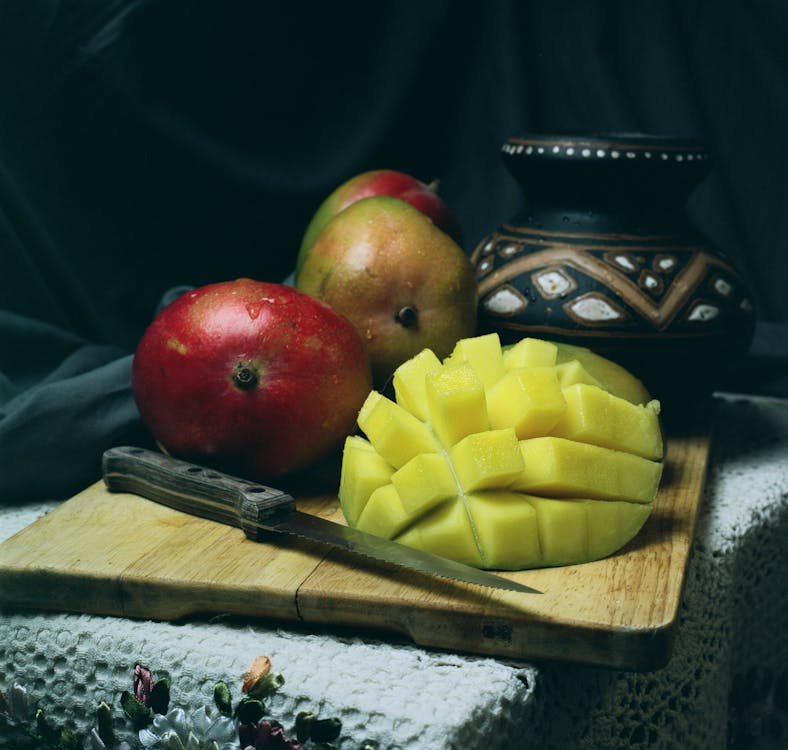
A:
x: 590, y: 284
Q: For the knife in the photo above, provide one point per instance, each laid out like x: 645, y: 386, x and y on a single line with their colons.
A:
x: 262, y: 511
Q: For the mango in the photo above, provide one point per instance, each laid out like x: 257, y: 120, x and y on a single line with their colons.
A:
x: 528, y: 399
x: 483, y: 354
x: 610, y: 375
x: 409, y: 383
x: 486, y: 460
x: 424, y: 482
x: 456, y: 403
x: 363, y: 471
x: 593, y: 415
x: 508, y: 459
x: 557, y: 467
x: 530, y: 353
x: 394, y: 432
x: 384, y: 514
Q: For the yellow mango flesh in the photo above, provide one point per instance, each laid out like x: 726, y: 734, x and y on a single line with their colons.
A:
x: 424, y: 481
x: 609, y: 375
x: 396, y: 434
x: 528, y: 399
x: 506, y: 459
x: 483, y: 354
x: 456, y: 403
x: 409, y: 382
x: 556, y: 467
x: 593, y: 415
x: 384, y: 514
x: 486, y: 460
x: 363, y: 471
x: 530, y: 353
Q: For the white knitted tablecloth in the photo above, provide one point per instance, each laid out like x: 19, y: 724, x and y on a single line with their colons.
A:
x: 726, y: 685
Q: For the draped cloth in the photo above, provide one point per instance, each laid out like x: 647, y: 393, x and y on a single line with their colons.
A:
x: 149, y: 145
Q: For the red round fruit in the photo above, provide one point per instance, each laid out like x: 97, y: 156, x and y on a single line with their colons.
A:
x: 256, y: 376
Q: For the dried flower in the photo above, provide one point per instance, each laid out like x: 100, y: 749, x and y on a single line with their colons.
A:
x: 265, y: 735
x: 143, y: 683
x: 259, y: 669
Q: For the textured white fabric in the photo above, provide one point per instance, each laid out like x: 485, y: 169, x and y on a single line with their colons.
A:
x: 726, y: 685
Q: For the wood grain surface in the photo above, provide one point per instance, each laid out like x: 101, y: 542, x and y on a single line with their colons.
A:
x: 122, y: 555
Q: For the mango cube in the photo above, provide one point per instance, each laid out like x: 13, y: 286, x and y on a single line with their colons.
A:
x: 611, y: 376
x: 507, y: 529
x: 487, y: 459
x: 530, y: 353
x: 395, y: 433
x: 528, y: 399
x: 557, y: 467
x: 409, y: 382
x: 424, y: 482
x: 384, y: 514
x: 456, y: 403
x: 446, y: 531
x: 363, y: 471
x: 562, y: 527
x: 595, y: 416
x: 483, y: 354
x: 573, y: 372
x: 543, y: 454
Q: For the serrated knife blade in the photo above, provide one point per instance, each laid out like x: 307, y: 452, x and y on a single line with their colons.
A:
x: 262, y: 511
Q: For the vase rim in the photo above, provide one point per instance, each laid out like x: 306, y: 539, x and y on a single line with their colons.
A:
x: 613, y: 145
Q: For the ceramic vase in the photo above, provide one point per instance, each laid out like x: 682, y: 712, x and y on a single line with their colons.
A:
x: 603, y: 255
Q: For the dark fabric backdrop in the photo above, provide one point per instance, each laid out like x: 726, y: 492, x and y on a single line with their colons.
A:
x: 145, y: 145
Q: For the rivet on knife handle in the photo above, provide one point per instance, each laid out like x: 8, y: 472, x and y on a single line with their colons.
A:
x: 193, y: 489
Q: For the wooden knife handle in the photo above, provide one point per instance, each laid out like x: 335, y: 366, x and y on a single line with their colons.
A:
x: 192, y: 488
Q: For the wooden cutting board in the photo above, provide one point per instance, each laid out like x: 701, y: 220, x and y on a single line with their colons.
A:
x: 122, y: 555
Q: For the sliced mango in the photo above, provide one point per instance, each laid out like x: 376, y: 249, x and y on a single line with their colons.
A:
x: 448, y: 532
x: 612, y: 524
x: 395, y: 433
x: 506, y: 529
x: 541, y: 455
x: 573, y: 372
x: 528, y: 399
x: 483, y: 354
x: 384, y: 514
x: 610, y: 375
x: 557, y: 467
x: 409, y: 382
x: 595, y: 416
x: 424, y: 482
x: 363, y: 471
x: 530, y: 352
x: 487, y: 459
x: 562, y: 527
x: 456, y: 403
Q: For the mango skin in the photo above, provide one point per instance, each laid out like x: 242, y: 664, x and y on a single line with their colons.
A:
x: 402, y: 282
x: 389, y: 182
x: 561, y: 497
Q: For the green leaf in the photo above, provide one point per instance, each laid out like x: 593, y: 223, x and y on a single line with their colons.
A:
x: 325, y: 730
x: 139, y: 714
x: 159, y: 700
x: 267, y: 686
x: 222, y: 698
x: 303, y: 725
x: 104, y: 724
x: 250, y: 711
